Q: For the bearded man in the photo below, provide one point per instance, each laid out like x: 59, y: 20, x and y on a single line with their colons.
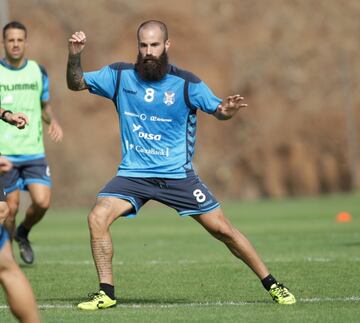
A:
x: 157, y: 105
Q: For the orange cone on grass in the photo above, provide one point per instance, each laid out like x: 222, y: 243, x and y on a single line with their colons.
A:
x: 343, y: 217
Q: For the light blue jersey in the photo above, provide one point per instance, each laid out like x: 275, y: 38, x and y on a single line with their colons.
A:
x: 158, y: 119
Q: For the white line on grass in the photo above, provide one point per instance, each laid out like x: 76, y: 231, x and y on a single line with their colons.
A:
x: 186, y: 261
x: 354, y: 299
x: 120, y: 263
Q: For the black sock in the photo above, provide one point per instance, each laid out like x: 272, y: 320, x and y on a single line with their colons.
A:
x: 268, y: 281
x: 108, y: 289
x: 22, y: 231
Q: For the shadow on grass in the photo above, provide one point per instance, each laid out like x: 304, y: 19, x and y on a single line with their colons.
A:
x: 157, y: 302
x: 27, y: 267
x: 126, y: 301
x: 352, y: 244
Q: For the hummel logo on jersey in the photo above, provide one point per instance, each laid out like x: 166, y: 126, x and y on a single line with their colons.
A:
x: 129, y: 91
x: 19, y: 87
x: 136, y: 127
x: 169, y: 98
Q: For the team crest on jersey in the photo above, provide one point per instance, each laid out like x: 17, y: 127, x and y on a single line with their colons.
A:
x: 169, y: 98
x: 8, y: 99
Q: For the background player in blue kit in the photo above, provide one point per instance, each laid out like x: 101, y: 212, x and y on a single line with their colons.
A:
x: 157, y: 105
x: 17, y: 289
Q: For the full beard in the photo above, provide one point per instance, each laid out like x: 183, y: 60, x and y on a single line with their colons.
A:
x: 151, y: 68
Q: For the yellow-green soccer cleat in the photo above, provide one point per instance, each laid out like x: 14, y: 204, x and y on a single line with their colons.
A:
x: 280, y: 294
x: 98, y: 301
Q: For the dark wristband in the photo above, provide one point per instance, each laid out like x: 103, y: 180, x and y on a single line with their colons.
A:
x: 3, y: 114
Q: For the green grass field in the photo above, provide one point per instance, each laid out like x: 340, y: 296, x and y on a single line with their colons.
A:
x: 168, y: 269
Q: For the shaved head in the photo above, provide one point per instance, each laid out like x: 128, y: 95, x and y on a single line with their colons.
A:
x: 151, y: 24
x: 153, y: 44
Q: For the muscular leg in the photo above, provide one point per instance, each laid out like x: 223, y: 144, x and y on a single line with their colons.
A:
x: 13, y: 201
x: 40, y: 197
x: 103, y: 214
x: 17, y: 288
x: 40, y: 202
x: 221, y: 228
x: 4, y: 212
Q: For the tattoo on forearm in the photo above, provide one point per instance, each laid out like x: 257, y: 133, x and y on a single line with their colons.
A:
x: 74, y: 74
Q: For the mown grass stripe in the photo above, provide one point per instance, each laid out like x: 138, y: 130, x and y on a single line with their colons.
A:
x: 169, y: 305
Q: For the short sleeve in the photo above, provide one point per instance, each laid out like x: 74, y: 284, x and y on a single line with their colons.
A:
x: 201, y: 97
x: 102, y: 82
x: 45, y: 94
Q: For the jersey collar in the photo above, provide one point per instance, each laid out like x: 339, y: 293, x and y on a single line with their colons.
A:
x: 4, y: 63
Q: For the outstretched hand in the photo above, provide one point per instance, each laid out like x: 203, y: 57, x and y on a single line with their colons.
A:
x: 229, y: 106
x: 77, y: 43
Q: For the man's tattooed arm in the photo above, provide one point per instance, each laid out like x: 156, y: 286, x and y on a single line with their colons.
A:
x: 74, y: 74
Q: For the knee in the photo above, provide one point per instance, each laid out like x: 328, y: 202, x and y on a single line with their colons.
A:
x: 42, y: 203
x: 8, y: 268
x: 224, y: 233
x: 97, y: 222
x: 13, y: 207
x: 4, y: 212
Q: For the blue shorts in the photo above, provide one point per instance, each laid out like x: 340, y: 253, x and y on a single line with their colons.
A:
x: 4, y: 236
x: 2, y: 192
x: 24, y: 173
x: 188, y: 196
